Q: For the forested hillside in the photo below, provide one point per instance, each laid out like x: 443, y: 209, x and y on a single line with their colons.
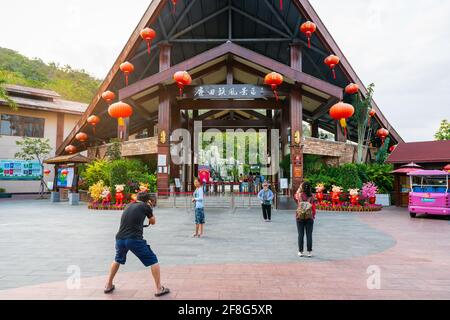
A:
x: 76, y: 85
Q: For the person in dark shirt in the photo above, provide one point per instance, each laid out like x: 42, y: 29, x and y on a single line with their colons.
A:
x: 130, y: 238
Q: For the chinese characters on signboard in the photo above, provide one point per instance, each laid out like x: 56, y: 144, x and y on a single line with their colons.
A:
x: 237, y: 91
x: 20, y: 170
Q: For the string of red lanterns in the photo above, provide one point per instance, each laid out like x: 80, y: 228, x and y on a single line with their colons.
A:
x: 352, y: 88
x: 93, y: 121
x: 383, y: 134
x: 274, y: 80
x: 120, y: 110
x: 182, y: 78
x: 148, y: 34
x: 127, y: 68
x: 70, y: 149
x: 332, y: 61
x: 308, y: 28
x: 341, y: 112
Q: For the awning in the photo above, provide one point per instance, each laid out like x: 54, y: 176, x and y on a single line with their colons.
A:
x: 424, y: 173
x: 73, y: 158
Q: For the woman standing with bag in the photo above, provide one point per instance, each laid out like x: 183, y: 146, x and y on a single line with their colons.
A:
x: 306, y: 213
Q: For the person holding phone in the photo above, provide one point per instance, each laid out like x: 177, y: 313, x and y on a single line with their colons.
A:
x: 130, y: 238
x: 266, y: 197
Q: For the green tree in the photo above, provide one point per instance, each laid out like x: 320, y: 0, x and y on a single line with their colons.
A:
x: 4, y: 96
x: 362, y: 109
x: 443, y: 132
x: 35, y: 149
x: 114, y: 151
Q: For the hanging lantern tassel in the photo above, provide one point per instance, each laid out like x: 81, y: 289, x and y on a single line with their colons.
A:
x: 174, y: 6
x: 275, y: 91
x: 344, y: 126
x: 281, y: 5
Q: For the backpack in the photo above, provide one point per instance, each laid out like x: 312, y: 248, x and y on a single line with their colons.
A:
x: 304, y: 211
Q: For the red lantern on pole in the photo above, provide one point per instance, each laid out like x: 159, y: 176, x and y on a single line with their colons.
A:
x: 120, y: 111
x: 108, y: 96
x: 341, y: 112
x: 274, y: 80
x: 332, y: 61
x: 148, y: 34
x: 352, y: 89
x: 93, y: 121
x: 182, y: 78
x: 82, y: 137
x: 47, y: 172
x: 70, y: 149
x: 382, y: 134
x: 308, y: 28
x: 127, y: 68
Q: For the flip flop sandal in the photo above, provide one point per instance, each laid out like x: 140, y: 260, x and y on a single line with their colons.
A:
x: 163, y: 292
x: 110, y: 290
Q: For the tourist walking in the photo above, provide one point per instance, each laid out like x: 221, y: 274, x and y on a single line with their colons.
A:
x: 306, y: 213
x: 266, y: 197
x: 199, y: 209
x: 130, y: 238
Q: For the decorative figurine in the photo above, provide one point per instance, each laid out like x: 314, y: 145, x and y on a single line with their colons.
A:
x: 354, y: 197
x: 320, y: 188
x: 335, y: 195
x: 106, y: 197
x: 119, y: 195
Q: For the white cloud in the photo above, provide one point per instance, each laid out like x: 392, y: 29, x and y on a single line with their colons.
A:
x: 400, y: 45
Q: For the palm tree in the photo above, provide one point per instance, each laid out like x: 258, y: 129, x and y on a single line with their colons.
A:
x: 4, y: 96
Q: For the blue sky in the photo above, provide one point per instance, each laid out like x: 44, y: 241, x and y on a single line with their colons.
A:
x: 402, y: 46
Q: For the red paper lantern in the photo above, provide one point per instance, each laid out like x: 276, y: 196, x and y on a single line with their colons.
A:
x: 93, y: 121
x: 392, y: 148
x: 108, y: 96
x: 332, y: 61
x: 308, y: 28
x: 341, y: 112
x: 70, y: 149
x: 82, y: 137
x: 352, y: 88
x: 47, y: 172
x: 372, y: 114
x: 274, y: 80
x: 148, y: 34
x: 120, y: 110
x: 382, y: 134
x: 447, y: 168
x: 182, y: 78
x: 127, y: 68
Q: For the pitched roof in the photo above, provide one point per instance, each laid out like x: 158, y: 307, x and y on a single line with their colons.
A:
x: 73, y: 158
x: 41, y: 99
x: 255, y: 19
x: 421, y: 152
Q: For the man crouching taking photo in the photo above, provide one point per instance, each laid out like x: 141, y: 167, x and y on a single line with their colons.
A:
x: 130, y: 238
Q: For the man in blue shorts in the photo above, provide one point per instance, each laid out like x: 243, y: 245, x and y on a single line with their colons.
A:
x: 130, y: 238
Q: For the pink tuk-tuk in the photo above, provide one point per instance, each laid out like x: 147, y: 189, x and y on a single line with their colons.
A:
x: 430, y: 193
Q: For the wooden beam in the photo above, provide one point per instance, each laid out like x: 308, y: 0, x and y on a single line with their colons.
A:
x: 237, y: 123
x: 237, y: 50
x: 230, y: 104
x: 324, y: 108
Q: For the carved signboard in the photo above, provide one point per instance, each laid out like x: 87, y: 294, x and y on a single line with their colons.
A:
x: 235, y: 91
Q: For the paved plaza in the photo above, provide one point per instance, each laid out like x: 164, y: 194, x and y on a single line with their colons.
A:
x: 241, y: 256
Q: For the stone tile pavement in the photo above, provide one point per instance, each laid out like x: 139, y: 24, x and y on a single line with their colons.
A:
x: 241, y: 257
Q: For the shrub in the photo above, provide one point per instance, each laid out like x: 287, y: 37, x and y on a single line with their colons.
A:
x: 2, y: 190
x: 96, y: 190
x: 348, y: 177
x: 96, y: 171
x: 380, y: 174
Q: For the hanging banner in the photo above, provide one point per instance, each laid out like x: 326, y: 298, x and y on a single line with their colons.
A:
x: 65, y: 180
x: 234, y: 91
x: 19, y: 170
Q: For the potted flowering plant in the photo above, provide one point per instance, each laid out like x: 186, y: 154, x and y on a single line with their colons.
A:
x: 369, y: 191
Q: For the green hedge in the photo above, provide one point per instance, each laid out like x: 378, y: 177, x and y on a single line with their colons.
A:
x: 352, y: 176
x: 123, y: 171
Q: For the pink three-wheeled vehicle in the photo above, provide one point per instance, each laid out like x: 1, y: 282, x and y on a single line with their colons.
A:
x: 430, y: 193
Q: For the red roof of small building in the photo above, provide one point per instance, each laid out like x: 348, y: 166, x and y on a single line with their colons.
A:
x: 421, y: 152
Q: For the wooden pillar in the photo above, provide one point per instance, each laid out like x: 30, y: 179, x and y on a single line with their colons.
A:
x: 339, y: 133
x: 296, y: 119
x: 315, y: 129
x: 59, y: 129
x: 164, y: 124
x: 296, y: 122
